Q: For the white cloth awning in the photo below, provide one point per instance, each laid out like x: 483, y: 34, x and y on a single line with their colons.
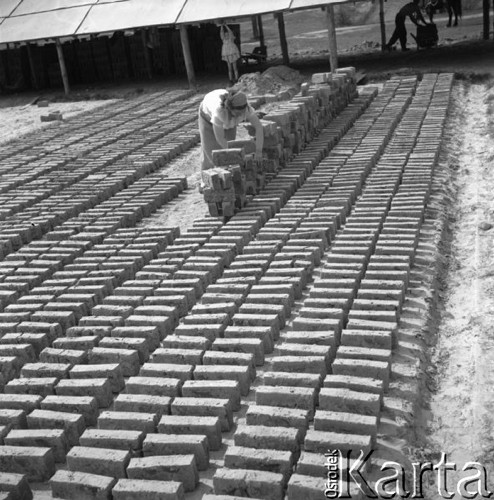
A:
x: 196, y: 11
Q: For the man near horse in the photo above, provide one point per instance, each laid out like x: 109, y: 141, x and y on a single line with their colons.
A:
x: 411, y: 10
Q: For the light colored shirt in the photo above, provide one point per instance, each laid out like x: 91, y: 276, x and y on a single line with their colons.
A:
x: 218, y: 115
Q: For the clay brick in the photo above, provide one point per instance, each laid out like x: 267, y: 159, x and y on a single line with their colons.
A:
x: 13, y: 418
x: 360, y: 384
x: 288, y: 379
x: 86, y: 406
x: 163, y: 323
x: 99, y: 388
x: 108, y: 461
x: 265, y: 334
x: 278, y: 461
x: 322, y: 441
x: 222, y: 389
x: 68, y: 485
x: 128, y: 359
x: 72, y: 424
x: 300, y: 364
x: 362, y: 368
x: 205, y: 407
x: 159, y: 405
x: 115, y: 439
x: 170, y: 444
x: 154, y: 386
x: 42, y: 386
x: 250, y: 483
x: 57, y: 370
x: 346, y: 400
x: 38, y: 464
x: 150, y: 334
x: 180, y: 371
x: 217, y: 357
x: 367, y: 339
x: 76, y: 343
x: 184, y: 356
x: 182, y: 424
x: 74, y: 357
x: 111, y: 371
x: 47, y: 438
x: 26, y: 402
x: 286, y: 397
x: 277, y: 416
x: 180, y: 468
x: 15, y: 486
x: 353, y: 423
x: 225, y: 372
x: 270, y: 437
x: 135, y: 489
x: 366, y: 353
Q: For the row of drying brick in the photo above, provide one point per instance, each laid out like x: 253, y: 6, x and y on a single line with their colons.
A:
x: 25, y: 268
x: 88, y: 192
x: 344, y: 406
x: 275, y: 427
x: 80, y: 127
x: 57, y: 171
x: 204, y: 424
x: 48, y: 268
x: 65, y: 165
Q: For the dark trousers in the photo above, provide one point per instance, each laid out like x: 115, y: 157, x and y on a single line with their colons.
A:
x: 400, y: 33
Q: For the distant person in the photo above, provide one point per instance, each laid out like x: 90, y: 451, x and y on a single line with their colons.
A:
x: 229, y: 52
x: 219, y: 114
x: 411, y: 10
x: 453, y: 7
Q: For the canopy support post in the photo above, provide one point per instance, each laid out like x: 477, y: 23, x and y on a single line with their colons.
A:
x: 255, y: 28
x: 283, y: 43
x: 32, y: 68
x: 485, y: 8
x: 189, y: 66
x: 63, y: 69
x: 333, y: 50
x: 147, y: 57
x: 261, y: 30
x: 383, y: 24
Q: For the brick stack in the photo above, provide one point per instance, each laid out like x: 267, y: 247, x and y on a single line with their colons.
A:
x: 287, y: 128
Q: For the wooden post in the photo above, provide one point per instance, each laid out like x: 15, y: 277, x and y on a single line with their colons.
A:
x: 333, y: 51
x: 383, y: 24
x: 128, y: 57
x: 284, y: 45
x: 147, y: 58
x: 485, y: 8
x: 32, y: 68
x: 261, y: 30
x: 63, y: 69
x: 189, y: 66
x: 255, y: 28
x: 110, y: 58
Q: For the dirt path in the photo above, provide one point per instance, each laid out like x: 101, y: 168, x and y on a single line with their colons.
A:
x: 461, y: 407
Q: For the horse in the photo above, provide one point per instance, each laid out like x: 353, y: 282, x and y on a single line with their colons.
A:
x: 453, y: 7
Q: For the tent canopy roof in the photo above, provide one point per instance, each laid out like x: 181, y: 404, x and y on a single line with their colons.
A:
x: 30, y: 20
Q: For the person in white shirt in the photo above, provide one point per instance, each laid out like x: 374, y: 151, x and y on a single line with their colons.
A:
x: 219, y: 114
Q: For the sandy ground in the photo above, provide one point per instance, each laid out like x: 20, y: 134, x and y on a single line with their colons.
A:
x: 460, y: 420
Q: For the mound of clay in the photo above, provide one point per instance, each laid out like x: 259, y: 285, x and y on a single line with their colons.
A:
x: 273, y: 80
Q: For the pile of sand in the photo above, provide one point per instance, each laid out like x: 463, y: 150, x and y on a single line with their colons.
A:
x: 273, y: 80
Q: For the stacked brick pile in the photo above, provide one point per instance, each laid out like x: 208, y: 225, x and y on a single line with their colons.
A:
x: 287, y: 128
